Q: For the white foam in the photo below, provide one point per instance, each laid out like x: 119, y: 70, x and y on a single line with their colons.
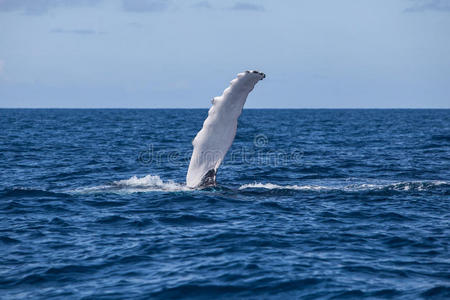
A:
x: 355, y: 187
x: 153, y: 183
x: 271, y: 186
x: 149, y: 183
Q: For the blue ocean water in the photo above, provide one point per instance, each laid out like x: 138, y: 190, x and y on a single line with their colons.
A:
x: 311, y: 204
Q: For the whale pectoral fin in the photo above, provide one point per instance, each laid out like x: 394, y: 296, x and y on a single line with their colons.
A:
x: 213, y: 141
x: 209, y: 179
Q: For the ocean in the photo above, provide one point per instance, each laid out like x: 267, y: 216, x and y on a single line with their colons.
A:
x: 310, y: 204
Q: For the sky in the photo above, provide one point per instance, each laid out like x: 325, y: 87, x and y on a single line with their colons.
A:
x: 181, y: 53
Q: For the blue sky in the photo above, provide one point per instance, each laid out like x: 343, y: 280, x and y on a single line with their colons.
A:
x: 181, y: 53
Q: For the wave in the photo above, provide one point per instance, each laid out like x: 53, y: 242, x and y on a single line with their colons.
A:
x: 29, y: 192
x: 149, y: 183
x: 153, y: 183
x: 419, y: 186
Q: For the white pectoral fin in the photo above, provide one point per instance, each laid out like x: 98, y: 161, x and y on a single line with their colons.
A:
x: 212, y: 142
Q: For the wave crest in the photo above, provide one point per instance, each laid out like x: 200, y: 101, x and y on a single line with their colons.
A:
x: 419, y: 186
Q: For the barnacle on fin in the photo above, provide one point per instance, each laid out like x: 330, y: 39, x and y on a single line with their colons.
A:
x: 209, y: 179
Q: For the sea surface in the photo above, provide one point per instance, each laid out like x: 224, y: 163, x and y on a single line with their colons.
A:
x: 310, y: 204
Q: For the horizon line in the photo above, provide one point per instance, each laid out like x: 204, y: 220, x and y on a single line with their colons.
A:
x: 284, y: 108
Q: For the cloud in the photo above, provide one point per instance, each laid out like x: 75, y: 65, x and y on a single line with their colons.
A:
x: 135, y: 24
x: 247, y: 6
x: 433, y: 5
x: 202, y: 4
x: 39, y: 7
x: 145, y: 5
x: 76, y: 31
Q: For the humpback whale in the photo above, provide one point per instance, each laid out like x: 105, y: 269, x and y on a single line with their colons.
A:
x: 212, y: 142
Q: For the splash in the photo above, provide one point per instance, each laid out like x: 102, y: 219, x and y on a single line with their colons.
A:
x: 149, y: 183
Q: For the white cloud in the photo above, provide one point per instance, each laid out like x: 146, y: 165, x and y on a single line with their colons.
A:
x: 81, y: 31
x: 247, y: 6
x: 39, y: 7
x: 202, y: 4
x: 424, y: 5
x: 145, y: 5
